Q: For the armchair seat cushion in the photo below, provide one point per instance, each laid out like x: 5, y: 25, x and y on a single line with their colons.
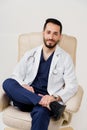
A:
x: 15, y: 118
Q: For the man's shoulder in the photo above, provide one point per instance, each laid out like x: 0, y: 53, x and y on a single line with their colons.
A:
x: 64, y: 56
x: 61, y: 51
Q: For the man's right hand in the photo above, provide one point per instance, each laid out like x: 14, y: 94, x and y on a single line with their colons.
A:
x: 30, y: 88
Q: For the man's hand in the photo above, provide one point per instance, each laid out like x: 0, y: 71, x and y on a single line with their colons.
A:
x: 30, y: 88
x: 45, y: 101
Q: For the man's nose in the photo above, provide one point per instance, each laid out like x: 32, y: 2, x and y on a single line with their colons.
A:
x: 51, y: 36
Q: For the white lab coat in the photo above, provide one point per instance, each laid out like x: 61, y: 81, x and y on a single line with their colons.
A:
x: 61, y: 72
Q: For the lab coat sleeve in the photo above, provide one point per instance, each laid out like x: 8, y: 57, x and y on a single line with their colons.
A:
x: 71, y: 85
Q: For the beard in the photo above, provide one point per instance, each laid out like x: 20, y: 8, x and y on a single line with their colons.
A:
x: 50, y: 46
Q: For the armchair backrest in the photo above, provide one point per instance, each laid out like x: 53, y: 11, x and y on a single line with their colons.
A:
x: 31, y: 40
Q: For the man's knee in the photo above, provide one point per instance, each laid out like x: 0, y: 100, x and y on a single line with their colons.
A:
x: 7, y: 83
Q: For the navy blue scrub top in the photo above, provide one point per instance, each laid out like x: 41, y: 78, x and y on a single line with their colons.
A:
x: 40, y: 82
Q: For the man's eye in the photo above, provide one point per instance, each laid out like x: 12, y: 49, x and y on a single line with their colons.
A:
x: 48, y: 32
x: 56, y: 34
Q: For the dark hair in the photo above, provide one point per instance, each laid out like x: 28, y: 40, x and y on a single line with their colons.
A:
x: 54, y: 21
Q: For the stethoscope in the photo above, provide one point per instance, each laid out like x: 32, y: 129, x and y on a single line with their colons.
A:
x: 55, y: 70
x: 32, y: 57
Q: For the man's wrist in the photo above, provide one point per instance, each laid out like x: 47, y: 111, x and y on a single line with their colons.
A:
x: 57, y: 98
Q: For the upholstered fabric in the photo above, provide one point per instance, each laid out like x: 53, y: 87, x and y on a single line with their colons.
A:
x: 12, y: 116
x: 66, y: 128
x: 4, y: 100
x: 22, y: 120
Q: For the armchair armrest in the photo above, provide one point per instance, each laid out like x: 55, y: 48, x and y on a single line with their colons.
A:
x: 4, y: 100
x: 73, y: 104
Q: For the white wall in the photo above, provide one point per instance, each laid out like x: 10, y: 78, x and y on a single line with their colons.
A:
x: 23, y: 16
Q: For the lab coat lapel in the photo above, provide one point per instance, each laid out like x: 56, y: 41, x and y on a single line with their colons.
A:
x: 55, y: 59
x: 37, y: 61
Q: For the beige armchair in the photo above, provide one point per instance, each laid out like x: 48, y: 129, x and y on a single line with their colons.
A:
x: 15, y: 118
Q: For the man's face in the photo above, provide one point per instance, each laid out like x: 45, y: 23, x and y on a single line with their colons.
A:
x: 51, y: 35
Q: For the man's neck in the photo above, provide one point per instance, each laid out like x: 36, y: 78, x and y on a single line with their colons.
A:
x: 47, y: 52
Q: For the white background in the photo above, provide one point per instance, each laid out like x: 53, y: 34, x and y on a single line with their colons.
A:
x: 24, y: 16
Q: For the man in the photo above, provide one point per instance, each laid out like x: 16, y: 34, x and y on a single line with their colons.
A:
x: 43, y: 79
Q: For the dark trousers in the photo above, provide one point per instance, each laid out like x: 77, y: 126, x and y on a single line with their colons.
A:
x: 28, y: 101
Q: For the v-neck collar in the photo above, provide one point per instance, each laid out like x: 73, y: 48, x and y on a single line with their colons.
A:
x: 42, y: 56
